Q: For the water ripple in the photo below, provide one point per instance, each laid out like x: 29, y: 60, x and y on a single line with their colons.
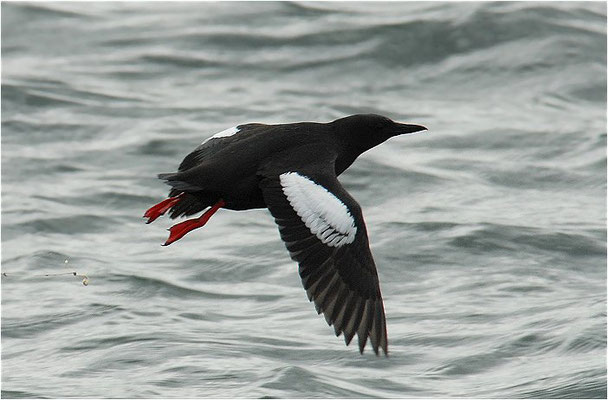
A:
x: 488, y: 230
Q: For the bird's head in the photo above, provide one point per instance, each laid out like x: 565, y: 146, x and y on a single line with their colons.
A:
x: 364, y: 131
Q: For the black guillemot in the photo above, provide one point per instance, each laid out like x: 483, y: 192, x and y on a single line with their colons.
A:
x: 292, y: 170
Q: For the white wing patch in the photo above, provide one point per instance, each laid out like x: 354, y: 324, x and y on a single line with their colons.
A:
x: 322, y: 212
x: 224, y: 133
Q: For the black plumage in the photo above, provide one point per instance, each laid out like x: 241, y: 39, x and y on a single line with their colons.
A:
x: 292, y: 170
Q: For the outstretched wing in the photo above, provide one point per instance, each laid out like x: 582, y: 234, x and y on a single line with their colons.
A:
x: 323, y: 229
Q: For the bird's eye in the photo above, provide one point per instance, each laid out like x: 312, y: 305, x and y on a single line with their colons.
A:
x: 382, y: 123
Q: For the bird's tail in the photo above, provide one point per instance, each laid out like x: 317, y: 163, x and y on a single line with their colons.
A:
x: 184, y: 199
x: 176, y: 181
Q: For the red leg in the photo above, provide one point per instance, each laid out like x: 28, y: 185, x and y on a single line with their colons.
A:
x: 179, y: 230
x: 161, y: 208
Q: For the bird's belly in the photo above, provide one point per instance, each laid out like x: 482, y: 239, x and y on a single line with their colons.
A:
x: 244, y: 195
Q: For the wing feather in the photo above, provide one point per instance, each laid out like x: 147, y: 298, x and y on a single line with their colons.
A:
x: 331, y: 246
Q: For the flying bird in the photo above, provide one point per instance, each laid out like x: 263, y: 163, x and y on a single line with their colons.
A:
x: 292, y: 170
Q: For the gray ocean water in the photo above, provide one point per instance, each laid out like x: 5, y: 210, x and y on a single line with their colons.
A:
x: 489, y: 230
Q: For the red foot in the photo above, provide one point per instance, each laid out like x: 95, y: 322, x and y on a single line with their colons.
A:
x: 178, y: 231
x: 161, y: 208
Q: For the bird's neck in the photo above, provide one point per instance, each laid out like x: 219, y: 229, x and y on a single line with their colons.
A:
x: 343, y: 161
